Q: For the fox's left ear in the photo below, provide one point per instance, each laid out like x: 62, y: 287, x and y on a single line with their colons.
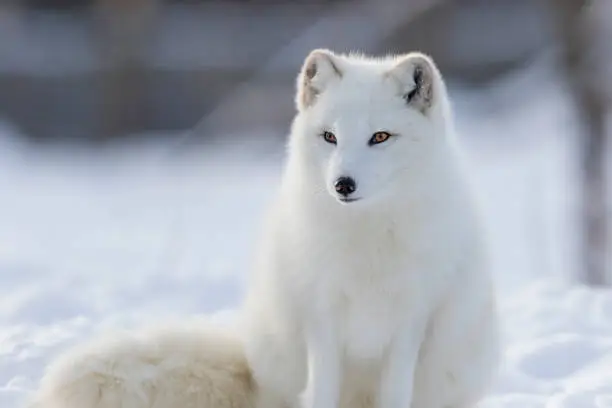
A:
x: 320, y: 68
x: 414, y: 74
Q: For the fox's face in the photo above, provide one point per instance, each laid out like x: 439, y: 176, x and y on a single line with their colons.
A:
x: 366, y: 128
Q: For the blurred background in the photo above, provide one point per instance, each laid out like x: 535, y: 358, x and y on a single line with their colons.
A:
x: 95, y: 70
x: 140, y: 140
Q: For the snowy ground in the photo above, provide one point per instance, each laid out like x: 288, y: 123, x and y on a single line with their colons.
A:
x: 121, y: 237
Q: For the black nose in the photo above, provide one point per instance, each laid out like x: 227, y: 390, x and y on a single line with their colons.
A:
x: 345, y: 186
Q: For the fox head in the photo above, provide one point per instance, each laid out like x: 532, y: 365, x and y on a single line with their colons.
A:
x: 366, y: 128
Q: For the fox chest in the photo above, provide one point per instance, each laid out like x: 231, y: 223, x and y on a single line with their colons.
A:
x: 368, y: 321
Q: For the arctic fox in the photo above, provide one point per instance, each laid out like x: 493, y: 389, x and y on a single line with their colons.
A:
x: 371, y: 286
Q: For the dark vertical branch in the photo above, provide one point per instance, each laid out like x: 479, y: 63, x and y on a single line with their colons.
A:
x: 577, y: 33
x: 125, y: 28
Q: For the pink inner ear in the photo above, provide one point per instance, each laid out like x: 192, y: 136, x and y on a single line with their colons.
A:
x: 311, y: 70
x: 317, y: 70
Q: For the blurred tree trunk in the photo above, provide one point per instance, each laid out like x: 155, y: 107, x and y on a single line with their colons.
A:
x: 577, y: 32
x: 125, y: 28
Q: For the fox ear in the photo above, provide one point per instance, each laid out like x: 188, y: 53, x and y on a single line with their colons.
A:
x: 319, y: 69
x: 414, y: 75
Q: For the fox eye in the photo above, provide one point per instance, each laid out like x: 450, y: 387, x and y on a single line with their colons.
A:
x: 329, y: 137
x: 379, y: 137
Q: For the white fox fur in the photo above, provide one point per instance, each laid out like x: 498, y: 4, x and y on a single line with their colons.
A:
x: 384, y: 301
x: 361, y: 300
x: 197, y: 365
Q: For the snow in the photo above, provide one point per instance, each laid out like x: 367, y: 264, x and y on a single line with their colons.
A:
x: 132, y: 234
x: 559, y: 349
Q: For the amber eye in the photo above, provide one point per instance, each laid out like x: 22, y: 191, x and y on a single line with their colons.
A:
x: 379, y: 137
x: 329, y: 137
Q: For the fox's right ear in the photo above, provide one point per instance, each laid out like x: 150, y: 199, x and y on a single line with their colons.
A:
x: 415, y: 75
x: 320, y: 67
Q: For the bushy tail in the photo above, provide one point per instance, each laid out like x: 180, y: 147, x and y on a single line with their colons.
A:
x: 188, y: 366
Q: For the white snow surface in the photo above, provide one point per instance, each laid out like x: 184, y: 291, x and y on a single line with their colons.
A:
x: 130, y: 235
